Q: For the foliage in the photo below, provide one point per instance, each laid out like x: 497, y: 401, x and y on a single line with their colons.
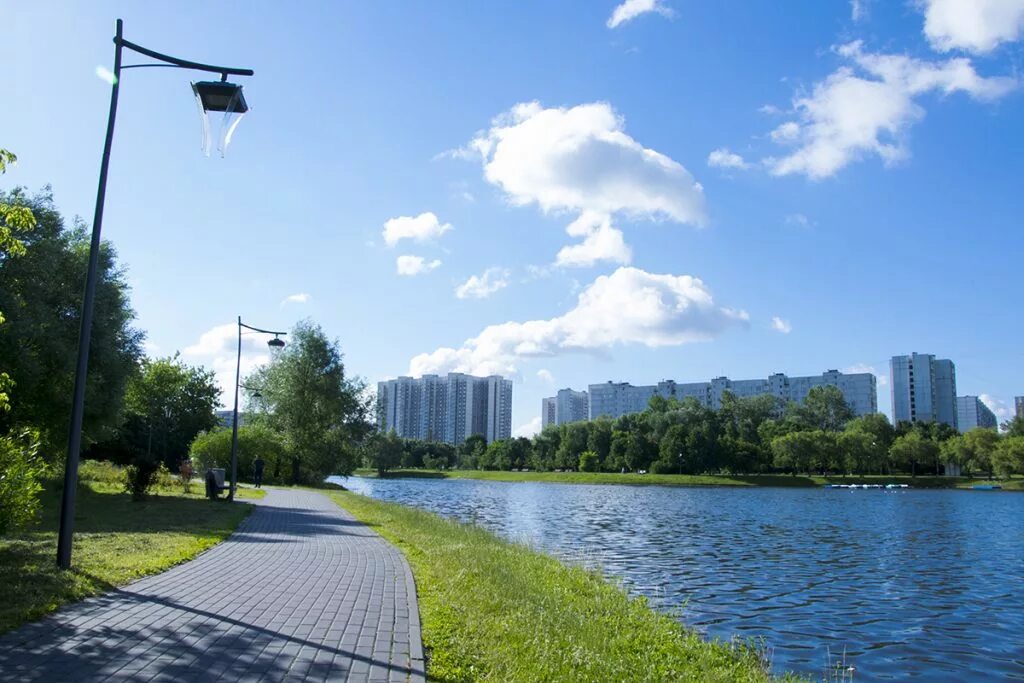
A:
x: 383, y: 452
x: 320, y: 412
x: 911, y: 450
x: 168, y: 403
x: 41, y: 294
x: 21, y: 473
x: 14, y: 217
x: 1008, y: 457
x: 100, y: 472
x: 498, y: 611
x: 213, y: 449
x: 140, y: 477
x: 186, y: 472
x: 117, y: 541
x: 589, y: 461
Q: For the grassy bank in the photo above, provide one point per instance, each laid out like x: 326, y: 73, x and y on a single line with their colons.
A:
x: 116, y: 542
x: 633, y: 479
x: 493, y: 610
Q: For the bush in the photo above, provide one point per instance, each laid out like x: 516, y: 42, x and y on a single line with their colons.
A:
x: 140, y: 477
x: 21, y: 471
x: 185, y: 474
x: 213, y: 449
x: 589, y: 461
x: 100, y: 472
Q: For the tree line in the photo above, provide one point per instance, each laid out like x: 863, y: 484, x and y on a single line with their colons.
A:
x: 757, y: 435
x: 141, y: 412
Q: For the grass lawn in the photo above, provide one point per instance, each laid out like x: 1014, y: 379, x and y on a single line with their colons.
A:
x: 634, y: 479
x: 116, y: 541
x: 498, y: 611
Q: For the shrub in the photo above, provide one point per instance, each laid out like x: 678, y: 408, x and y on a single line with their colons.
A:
x: 589, y: 461
x: 140, y: 477
x: 100, y: 472
x: 185, y: 474
x: 21, y: 470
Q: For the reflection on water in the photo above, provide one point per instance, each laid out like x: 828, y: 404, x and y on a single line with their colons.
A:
x: 926, y: 584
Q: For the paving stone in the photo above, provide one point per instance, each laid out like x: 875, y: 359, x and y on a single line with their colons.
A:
x: 301, y: 591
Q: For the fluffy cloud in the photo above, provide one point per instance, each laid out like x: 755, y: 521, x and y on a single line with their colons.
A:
x: 544, y: 375
x: 859, y: 368
x: 997, y: 406
x: 799, y: 220
x: 601, y: 242
x: 420, y: 228
x: 217, y: 349
x: 867, y: 108
x: 580, y: 160
x: 530, y: 429
x: 483, y: 285
x: 780, y: 325
x: 975, y: 25
x: 301, y: 298
x: 723, y: 158
x: 858, y: 9
x: 631, y: 9
x: 630, y: 306
x: 415, y: 265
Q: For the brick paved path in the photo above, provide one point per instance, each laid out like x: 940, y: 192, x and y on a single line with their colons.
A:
x: 301, y: 591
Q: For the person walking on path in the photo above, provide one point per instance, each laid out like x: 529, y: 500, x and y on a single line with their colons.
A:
x: 257, y: 472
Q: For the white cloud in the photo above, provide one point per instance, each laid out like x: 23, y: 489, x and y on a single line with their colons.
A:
x: 780, y: 325
x: 859, y: 368
x: 769, y: 109
x: 630, y: 306
x: 867, y: 108
x: 530, y: 429
x: 723, y: 158
x: 799, y: 220
x: 858, y: 9
x: 601, y: 242
x: 544, y: 375
x: 977, y: 26
x: 217, y: 348
x: 415, y: 265
x: 301, y: 298
x: 580, y: 160
x: 997, y: 406
x: 631, y: 9
x: 483, y: 285
x: 420, y: 228
x: 152, y: 349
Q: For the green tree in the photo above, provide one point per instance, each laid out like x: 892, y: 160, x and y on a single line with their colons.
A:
x: 981, y: 445
x: 824, y: 408
x: 599, y: 439
x: 41, y: 295
x: 167, y: 404
x: 1008, y: 457
x: 213, y: 449
x: 589, y: 462
x: 320, y: 412
x: 866, y: 441
x: 573, y: 443
x: 15, y: 217
x: 382, y: 451
x: 1014, y: 427
x: 912, y: 449
x: 471, y: 450
x: 806, y: 451
x: 21, y: 473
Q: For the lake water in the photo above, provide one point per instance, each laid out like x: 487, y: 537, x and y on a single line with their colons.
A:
x: 925, y: 584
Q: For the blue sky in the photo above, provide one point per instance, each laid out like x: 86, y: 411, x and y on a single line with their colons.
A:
x: 850, y: 169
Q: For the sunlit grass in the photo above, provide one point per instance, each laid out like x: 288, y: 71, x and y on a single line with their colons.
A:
x: 116, y: 541
x: 498, y: 611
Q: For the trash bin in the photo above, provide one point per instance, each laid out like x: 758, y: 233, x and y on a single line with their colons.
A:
x: 214, y: 482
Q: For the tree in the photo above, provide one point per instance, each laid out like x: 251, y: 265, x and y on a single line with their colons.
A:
x: 911, y: 450
x: 1014, y: 427
x: 866, y: 441
x: 824, y: 408
x: 41, y: 295
x: 320, y: 412
x: 1008, y: 457
x: 213, y: 449
x: 471, y: 450
x: 599, y: 439
x: 980, y: 445
x: 15, y: 217
x: 589, y: 462
x: 382, y: 452
x: 806, y: 451
x: 167, y: 404
x: 573, y: 443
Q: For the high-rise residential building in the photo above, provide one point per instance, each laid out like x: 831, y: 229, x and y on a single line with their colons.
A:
x: 615, y: 399
x: 435, y: 408
x: 1018, y: 404
x: 971, y: 412
x: 571, y: 406
x: 923, y: 389
x: 547, y: 412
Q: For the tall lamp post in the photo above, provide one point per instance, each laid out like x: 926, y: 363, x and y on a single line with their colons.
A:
x: 275, y: 343
x: 212, y: 96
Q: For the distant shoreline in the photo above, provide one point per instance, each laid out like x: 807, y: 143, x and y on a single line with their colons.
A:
x: 688, y: 480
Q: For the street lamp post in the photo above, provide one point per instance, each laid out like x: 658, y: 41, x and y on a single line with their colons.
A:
x: 274, y: 343
x: 210, y: 102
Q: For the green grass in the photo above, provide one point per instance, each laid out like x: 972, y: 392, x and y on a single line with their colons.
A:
x: 498, y: 611
x: 633, y: 479
x: 116, y: 541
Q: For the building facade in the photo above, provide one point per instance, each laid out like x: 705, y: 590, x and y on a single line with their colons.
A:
x: 449, y: 409
x: 971, y: 412
x: 1018, y: 405
x: 614, y: 399
x: 923, y: 389
x: 547, y: 412
x: 571, y: 406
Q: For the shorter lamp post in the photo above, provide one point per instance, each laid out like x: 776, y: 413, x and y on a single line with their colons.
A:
x: 275, y: 343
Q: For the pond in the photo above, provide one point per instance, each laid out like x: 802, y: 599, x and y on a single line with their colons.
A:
x: 925, y: 584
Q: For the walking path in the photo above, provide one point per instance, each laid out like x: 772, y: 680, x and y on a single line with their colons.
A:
x: 301, y: 591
